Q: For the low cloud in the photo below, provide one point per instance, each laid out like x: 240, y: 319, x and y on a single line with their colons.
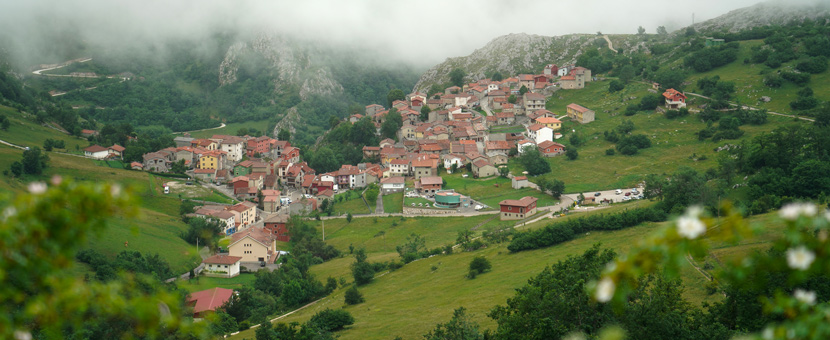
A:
x: 422, y: 32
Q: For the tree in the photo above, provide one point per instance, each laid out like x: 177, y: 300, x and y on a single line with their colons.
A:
x: 553, y: 303
x: 504, y: 171
x: 523, y: 90
x: 661, y: 30
x: 556, y: 188
x: 17, y: 169
x: 34, y: 161
x: 497, y: 76
x: 413, y: 249
x: 479, y: 265
x: 512, y: 99
x: 572, y: 154
x: 460, y: 327
x: 204, y: 231
x: 371, y: 194
x: 284, y: 135
x: 5, y: 123
x: 349, y: 217
x: 363, y: 132
x: 353, y: 296
x: 393, y: 95
x: 42, y: 295
x: 534, y: 162
x: 641, y: 30
x: 626, y: 73
x: 425, y: 110
x: 331, y: 320
x: 178, y: 167
x: 393, y: 123
x: 362, y: 271
x: 324, y: 160
x: 615, y: 86
x: 457, y: 77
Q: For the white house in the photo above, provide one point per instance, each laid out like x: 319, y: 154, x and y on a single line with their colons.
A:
x: 97, y: 152
x: 235, y: 147
x: 392, y: 184
x: 222, y: 265
x: 563, y: 70
x: 450, y: 159
x: 539, y: 133
x: 524, y: 143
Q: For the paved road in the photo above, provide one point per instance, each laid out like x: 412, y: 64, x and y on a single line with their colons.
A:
x: 379, y: 207
x: 485, y: 105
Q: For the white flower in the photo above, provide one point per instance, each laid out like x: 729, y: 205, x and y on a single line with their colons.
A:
x: 22, y: 335
x: 805, y: 296
x: 827, y: 215
x: 800, y: 258
x: 37, y: 188
x: 9, y: 212
x: 605, y: 289
x: 690, y: 227
x: 115, y: 190
x: 611, y: 266
x: 793, y: 210
x: 768, y: 333
x: 694, y: 211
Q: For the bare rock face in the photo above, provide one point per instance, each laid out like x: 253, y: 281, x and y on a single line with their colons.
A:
x: 510, y: 55
x: 290, y: 62
x: 774, y: 12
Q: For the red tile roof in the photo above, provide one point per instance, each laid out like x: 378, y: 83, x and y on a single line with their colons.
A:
x: 523, y: 202
x: 222, y: 259
x: 577, y: 107
x: 209, y: 299
x: 95, y: 148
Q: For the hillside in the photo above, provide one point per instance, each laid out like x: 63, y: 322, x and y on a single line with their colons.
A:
x: 518, y: 53
x: 158, y: 226
x: 431, y: 288
x: 773, y: 12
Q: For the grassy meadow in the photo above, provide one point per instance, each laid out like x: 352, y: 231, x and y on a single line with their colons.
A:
x: 674, y: 141
x: 393, y: 203
x: 432, y: 288
x: 493, y: 190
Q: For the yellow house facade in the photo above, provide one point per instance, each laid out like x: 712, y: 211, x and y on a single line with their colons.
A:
x: 550, y: 122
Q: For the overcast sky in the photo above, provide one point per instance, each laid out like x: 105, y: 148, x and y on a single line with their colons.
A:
x: 426, y: 31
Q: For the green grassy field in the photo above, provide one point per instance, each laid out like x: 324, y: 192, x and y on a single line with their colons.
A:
x: 231, y: 128
x: 491, y: 191
x: 673, y: 141
x: 155, y: 230
x: 393, y: 203
x: 409, y: 302
x: 352, y: 203
x: 749, y: 84
x: 24, y: 131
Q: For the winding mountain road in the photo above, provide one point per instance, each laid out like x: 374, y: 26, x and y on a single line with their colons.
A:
x: 610, y: 46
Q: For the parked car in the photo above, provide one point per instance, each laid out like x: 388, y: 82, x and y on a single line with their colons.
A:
x: 262, y: 263
x: 627, y: 198
x: 628, y: 194
x: 597, y: 194
x: 619, y: 191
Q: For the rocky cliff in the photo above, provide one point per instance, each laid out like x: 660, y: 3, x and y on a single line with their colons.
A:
x: 776, y: 12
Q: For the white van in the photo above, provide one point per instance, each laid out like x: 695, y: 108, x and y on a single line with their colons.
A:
x: 619, y: 191
x: 166, y: 189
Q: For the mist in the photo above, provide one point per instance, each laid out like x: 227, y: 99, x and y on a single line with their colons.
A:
x: 418, y: 32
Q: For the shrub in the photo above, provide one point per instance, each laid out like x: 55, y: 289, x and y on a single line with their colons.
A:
x: 813, y: 65
x: 479, y: 265
x: 799, y: 79
x: 353, y: 296
x: 330, y: 320
x: 572, y: 154
x: 609, y: 152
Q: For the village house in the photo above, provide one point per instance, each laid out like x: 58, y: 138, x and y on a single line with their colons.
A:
x: 526, y: 80
x: 505, y: 118
x: 245, y: 213
x: 519, y: 182
x: 373, y: 109
x: 674, y: 99
x: 97, y: 152
x: 499, y: 147
x: 482, y: 168
x: 207, y: 301
x: 450, y: 159
x: 87, y: 133
x: 570, y: 83
x: 518, y: 209
x: 540, y: 113
x: 260, y: 145
x: 227, y: 219
x: 533, y: 101
x: 399, y: 167
x: 523, y: 144
x: 215, y: 159
x: 207, y: 175
x: 233, y: 146
x: 550, y: 149
x: 580, y: 114
x: 550, y: 122
x: 429, y: 184
x: 222, y: 265
x: 424, y: 167
x: 370, y: 152
x: 254, y: 245
x: 550, y: 70
x: 392, y: 184
x: 277, y: 226
x: 156, y: 161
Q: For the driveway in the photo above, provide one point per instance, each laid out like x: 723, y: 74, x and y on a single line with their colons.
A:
x: 609, y: 194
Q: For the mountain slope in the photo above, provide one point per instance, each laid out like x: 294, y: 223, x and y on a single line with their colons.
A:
x: 765, y: 13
